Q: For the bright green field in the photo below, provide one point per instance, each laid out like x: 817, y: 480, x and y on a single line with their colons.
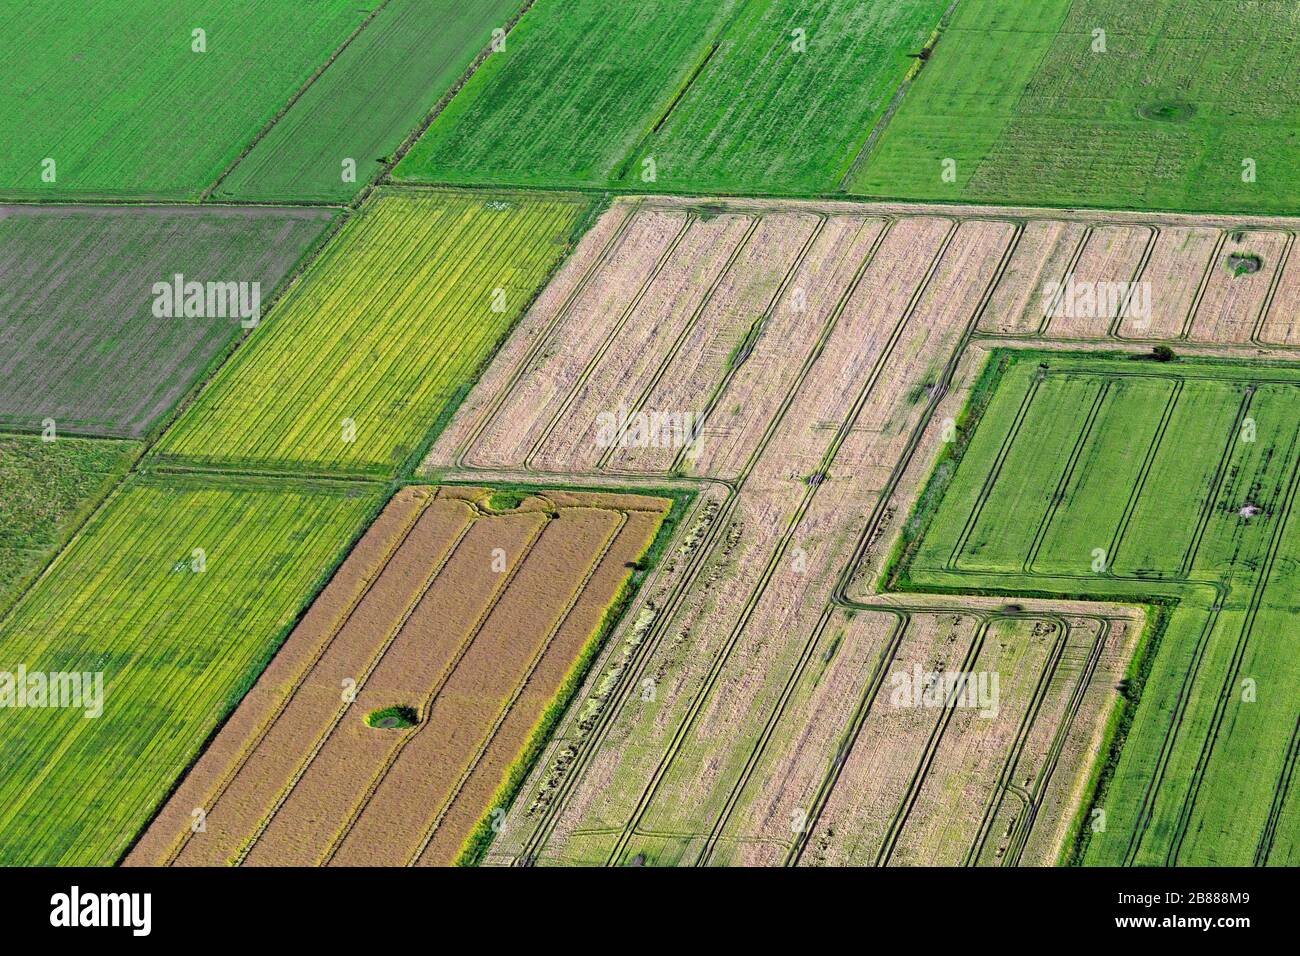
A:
x: 114, y: 93
x: 48, y: 488
x: 580, y: 82
x: 716, y: 94
x: 1170, y: 484
x: 375, y: 93
x: 354, y: 370
x: 177, y: 648
x: 765, y: 118
x: 1186, y: 90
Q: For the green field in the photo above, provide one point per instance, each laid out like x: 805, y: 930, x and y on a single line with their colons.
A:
x: 177, y: 643
x: 49, y: 488
x: 118, y: 97
x: 374, y: 94
x: 763, y: 118
x: 1031, y: 113
x: 80, y: 341
x: 1163, y: 484
x: 579, y: 84
x: 726, y: 96
x: 382, y: 337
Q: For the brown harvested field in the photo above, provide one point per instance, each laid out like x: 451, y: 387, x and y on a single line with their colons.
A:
x: 628, y: 363
x: 472, y: 618
x: 750, y: 399
x: 1282, y: 322
x: 887, y: 748
x: 773, y: 806
x: 1111, y: 255
x: 967, y: 767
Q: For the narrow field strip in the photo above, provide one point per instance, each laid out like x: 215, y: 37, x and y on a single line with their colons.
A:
x: 1179, y: 493
x: 150, y: 100
x: 342, y: 132
x: 752, y: 97
x: 1114, y: 104
x: 724, y: 658
x: 50, y: 488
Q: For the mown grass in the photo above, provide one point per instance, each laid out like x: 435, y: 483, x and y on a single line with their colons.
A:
x: 1023, y: 100
x: 381, y: 337
x: 1108, y: 479
x: 178, y: 635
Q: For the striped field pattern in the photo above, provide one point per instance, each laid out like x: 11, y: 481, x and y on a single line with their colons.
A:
x: 381, y: 338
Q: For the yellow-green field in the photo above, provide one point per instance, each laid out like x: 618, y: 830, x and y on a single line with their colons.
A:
x: 178, y: 592
x: 381, y: 338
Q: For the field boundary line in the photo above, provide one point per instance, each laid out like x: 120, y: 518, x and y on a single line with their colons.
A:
x: 294, y: 98
x: 688, y: 327
x: 544, y: 336
x: 1067, y: 475
x: 1283, y: 262
x: 868, y: 145
x: 688, y: 223
x: 677, y: 596
x: 385, y: 176
x: 1239, y: 651
x: 340, y: 835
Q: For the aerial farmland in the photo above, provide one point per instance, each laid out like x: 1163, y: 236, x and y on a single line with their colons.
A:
x: 564, y: 433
